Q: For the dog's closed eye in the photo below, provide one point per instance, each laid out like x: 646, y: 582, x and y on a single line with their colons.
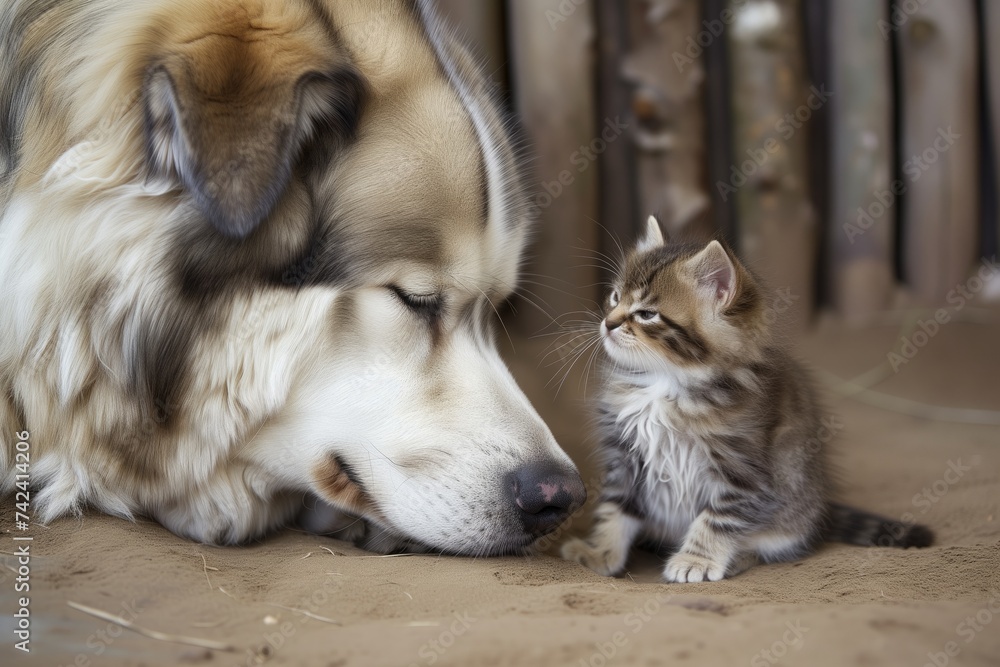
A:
x: 424, y: 304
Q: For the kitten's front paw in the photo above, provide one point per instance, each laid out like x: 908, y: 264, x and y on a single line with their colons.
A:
x: 605, y: 562
x: 688, y: 568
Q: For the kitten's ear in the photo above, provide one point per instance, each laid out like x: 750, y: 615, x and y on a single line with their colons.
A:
x: 653, y: 238
x: 715, y: 272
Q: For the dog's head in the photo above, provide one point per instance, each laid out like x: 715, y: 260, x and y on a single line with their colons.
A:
x: 325, y: 216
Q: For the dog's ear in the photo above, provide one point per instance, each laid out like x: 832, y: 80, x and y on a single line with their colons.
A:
x: 231, y: 132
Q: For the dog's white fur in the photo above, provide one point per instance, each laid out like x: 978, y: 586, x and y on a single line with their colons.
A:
x: 333, y: 388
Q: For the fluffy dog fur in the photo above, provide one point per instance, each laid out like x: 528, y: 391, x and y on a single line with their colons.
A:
x: 249, y: 252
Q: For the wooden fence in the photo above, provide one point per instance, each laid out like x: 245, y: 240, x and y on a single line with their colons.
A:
x: 843, y: 147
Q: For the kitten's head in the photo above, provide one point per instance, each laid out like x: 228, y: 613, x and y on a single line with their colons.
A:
x: 680, y: 306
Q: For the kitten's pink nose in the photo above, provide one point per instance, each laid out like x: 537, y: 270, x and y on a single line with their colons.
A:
x: 613, y: 324
x: 545, y: 495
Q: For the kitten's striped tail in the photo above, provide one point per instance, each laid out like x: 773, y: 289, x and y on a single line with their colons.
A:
x: 853, y: 526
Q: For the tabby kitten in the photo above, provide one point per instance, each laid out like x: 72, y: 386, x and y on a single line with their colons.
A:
x: 711, y: 434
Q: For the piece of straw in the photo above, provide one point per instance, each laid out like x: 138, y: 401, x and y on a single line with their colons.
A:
x: 152, y: 634
x: 304, y: 613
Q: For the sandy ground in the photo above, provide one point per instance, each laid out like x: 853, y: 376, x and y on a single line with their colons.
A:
x: 843, y: 606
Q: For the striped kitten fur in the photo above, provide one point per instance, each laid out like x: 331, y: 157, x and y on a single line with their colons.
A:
x: 713, y: 440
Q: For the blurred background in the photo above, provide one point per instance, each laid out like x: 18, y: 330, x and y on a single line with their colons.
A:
x: 845, y: 148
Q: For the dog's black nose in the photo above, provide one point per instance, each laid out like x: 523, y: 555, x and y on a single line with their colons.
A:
x: 545, y: 495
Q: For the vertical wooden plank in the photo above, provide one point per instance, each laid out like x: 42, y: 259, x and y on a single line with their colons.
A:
x: 772, y: 104
x: 666, y: 70
x: 861, y: 234
x: 940, y: 143
x: 991, y: 15
x: 481, y: 25
x: 619, y: 215
x: 816, y: 38
x: 719, y: 132
x: 553, y: 84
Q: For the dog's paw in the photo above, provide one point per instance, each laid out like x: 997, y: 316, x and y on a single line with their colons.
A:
x: 606, y: 562
x: 688, y: 568
x: 381, y: 541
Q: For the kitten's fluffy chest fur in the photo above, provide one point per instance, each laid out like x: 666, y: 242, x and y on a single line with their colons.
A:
x: 647, y: 413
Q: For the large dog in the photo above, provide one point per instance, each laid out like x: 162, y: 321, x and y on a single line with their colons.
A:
x: 250, y: 253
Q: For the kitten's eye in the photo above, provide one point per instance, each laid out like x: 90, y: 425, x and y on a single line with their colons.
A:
x: 425, y: 304
x: 646, y: 315
x: 615, y: 298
